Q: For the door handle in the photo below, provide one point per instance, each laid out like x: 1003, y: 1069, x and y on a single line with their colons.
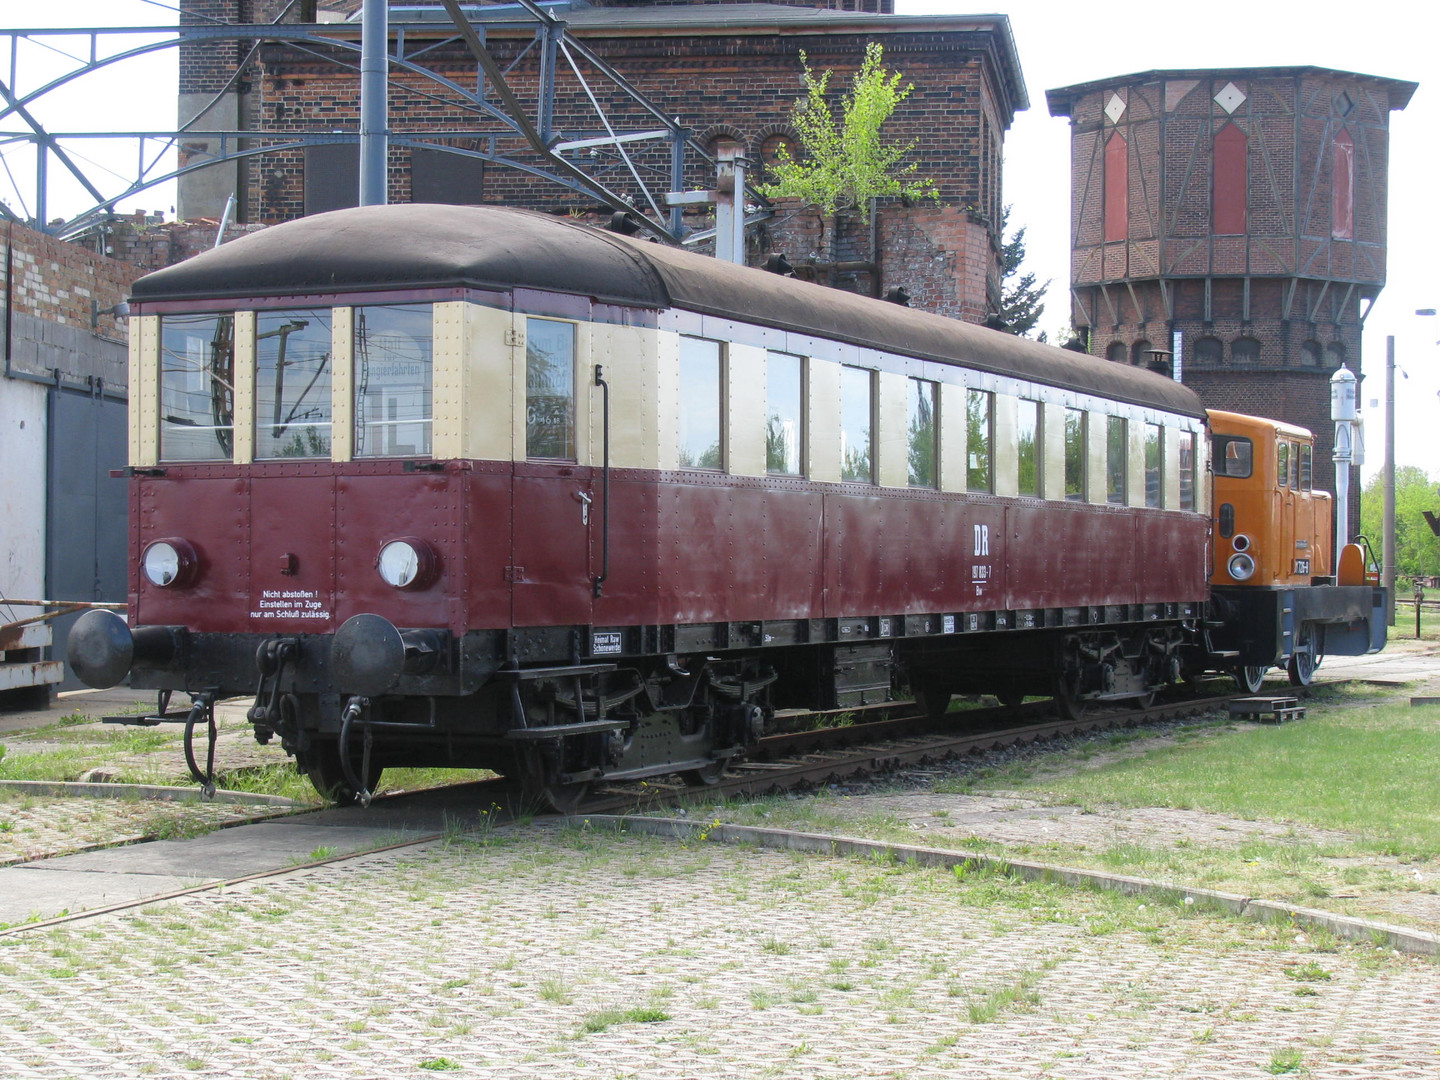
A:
x: 585, y: 500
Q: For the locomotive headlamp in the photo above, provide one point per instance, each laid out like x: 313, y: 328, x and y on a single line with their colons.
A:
x: 169, y: 562
x: 1241, y: 567
x: 407, y: 563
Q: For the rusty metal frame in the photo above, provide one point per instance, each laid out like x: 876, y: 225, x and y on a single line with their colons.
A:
x: 510, y: 119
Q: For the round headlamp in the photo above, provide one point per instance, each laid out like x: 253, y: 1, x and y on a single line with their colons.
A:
x: 407, y: 563
x: 1241, y: 567
x: 169, y: 563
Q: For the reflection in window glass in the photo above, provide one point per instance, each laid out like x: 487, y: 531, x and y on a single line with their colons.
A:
x: 393, y: 380
x: 784, y: 430
x: 857, y: 409
x: 197, y: 387
x: 1232, y: 455
x: 1295, y: 466
x: 1029, y: 445
x: 1186, y: 461
x: 1076, y: 455
x: 1282, y: 463
x: 1154, y: 470
x: 292, y: 383
x: 1116, y: 451
x: 549, y: 389
x: 1307, y: 470
x: 924, y: 447
x: 700, y: 403
x: 979, y: 440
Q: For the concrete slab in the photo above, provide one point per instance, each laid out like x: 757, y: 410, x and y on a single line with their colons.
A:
x: 37, y: 891
x: 251, y: 849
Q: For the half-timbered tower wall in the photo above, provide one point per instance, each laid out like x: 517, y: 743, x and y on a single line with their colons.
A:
x: 1241, y: 210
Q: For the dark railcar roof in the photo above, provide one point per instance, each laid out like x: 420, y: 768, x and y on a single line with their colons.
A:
x: 416, y: 246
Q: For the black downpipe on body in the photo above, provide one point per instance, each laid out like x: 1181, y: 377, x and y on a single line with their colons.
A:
x: 604, y: 489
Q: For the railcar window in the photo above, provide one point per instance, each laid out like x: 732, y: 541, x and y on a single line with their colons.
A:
x: 197, y: 387
x: 1154, y: 466
x: 549, y: 389
x: 924, y: 446
x: 701, y: 377
x: 1295, y: 466
x: 394, y: 363
x: 1029, y: 446
x: 1075, y: 454
x: 292, y: 383
x: 1185, y: 454
x: 980, y: 440
x: 857, y: 428
x: 1307, y: 468
x: 784, y: 425
x: 1282, y: 463
x: 1117, y: 453
x: 1232, y: 455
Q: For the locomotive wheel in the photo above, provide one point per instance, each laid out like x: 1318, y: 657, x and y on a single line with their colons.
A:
x: 322, y: 765
x: 1066, y: 703
x: 1251, y: 678
x: 1303, y: 663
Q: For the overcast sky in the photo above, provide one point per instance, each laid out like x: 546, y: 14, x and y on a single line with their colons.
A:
x: 1059, y: 43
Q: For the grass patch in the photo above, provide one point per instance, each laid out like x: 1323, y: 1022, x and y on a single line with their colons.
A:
x: 604, y: 1019
x: 1362, y: 771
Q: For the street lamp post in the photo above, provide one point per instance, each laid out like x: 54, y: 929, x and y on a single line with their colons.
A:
x: 1343, y: 412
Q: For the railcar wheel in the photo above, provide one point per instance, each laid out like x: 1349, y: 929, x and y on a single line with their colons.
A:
x: 1250, y: 678
x: 322, y: 765
x: 566, y: 798
x: 1067, y: 704
x: 709, y: 776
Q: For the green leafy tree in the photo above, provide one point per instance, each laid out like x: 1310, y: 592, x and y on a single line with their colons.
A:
x: 1417, y: 549
x: 846, y: 162
x: 1022, y: 302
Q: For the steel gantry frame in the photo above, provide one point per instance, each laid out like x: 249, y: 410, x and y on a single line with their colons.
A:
x: 573, y: 159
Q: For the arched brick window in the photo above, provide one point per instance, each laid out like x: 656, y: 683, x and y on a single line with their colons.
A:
x: 1245, y: 350
x: 1117, y: 188
x: 772, y: 144
x: 1335, y: 353
x: 1342, y: 187
x: 1118, y: 352
x: 1228, y: 215
x: 1139, y: 353
x: 1209, y: 350
x: 1310, y: 353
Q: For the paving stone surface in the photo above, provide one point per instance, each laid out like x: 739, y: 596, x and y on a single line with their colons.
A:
x: 547, y: 953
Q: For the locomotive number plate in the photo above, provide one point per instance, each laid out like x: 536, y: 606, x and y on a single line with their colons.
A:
x: 1302, y: 566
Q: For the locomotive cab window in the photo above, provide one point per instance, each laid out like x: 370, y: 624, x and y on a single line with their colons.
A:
x: 1029, y: 446
x: 292, y: 383
x: 393, y: 380
x: 924, y: 444
x: 1233, y: 455
x: 702, y: 375
x: 1282, y: 463
x: 980, y: 440
x: 550, y: 389
x: 1117, y: 455
x: 1295, y: 466
x: 197, y: 387
x: 784, y: 423
x: 1075, y: 454
x: 1307, y: 468
x: 857, y: 425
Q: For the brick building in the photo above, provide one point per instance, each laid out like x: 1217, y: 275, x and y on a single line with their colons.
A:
x: 1241, y: 212
x: 729, y: 71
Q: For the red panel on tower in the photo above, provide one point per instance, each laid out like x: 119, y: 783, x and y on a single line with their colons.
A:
x: 1117, y: 188
x: 1342, y: 187
x: 1230, y: 181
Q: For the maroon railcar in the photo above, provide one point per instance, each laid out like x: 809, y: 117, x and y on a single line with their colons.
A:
x: 471, y: 486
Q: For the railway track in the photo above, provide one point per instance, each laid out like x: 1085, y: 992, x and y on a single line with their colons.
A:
x: 786, y: 762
